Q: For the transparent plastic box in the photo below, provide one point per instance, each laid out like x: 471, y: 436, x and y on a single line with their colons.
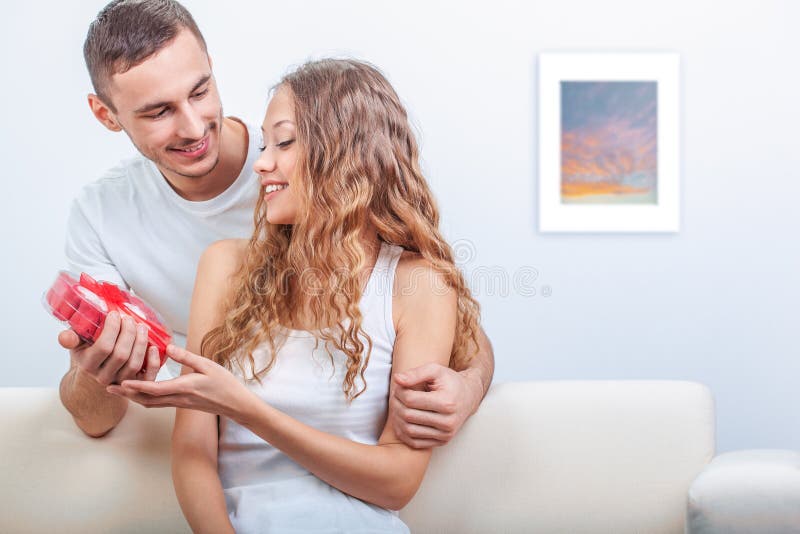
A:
x: 83, y: 303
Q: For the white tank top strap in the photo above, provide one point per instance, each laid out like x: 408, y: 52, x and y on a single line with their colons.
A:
x: 378, y: 293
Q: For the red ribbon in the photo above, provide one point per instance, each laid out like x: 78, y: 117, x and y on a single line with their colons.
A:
x: 119, y: 300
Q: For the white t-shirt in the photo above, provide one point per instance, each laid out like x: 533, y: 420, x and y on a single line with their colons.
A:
x: 131, y: 228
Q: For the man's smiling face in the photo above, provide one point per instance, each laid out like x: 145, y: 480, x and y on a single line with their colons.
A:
x: 170, y: 108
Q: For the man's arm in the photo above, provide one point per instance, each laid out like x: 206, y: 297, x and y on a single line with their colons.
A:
x: 117, y: 354
x: 480, y: 369
x: 432, y: 402
x: 94, y: 410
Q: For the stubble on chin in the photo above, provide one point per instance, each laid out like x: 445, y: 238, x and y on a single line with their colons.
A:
x: 165, y: 165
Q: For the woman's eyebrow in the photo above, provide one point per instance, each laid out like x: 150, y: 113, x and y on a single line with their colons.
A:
x: 282, y: 121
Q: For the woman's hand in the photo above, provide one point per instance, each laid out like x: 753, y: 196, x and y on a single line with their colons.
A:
x: 209, y: 387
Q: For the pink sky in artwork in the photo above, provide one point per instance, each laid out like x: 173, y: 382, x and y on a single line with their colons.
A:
x: 609, y: 142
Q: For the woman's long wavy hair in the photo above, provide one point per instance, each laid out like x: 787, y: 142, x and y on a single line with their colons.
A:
x: 358, y: 168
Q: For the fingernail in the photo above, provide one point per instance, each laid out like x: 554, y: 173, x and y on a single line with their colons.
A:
x: 401, y: 376
x: 142, y: 329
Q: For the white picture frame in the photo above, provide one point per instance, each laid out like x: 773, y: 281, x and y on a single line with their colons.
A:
x: 559, y: 215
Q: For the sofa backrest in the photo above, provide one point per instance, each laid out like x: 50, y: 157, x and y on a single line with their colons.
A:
x: 537, y: 457
x: 570, y: 457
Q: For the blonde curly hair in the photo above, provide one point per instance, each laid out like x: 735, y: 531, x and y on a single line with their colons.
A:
x: 358, y: 166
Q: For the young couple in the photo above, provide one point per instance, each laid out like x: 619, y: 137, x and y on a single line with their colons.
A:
x: 331, y: 342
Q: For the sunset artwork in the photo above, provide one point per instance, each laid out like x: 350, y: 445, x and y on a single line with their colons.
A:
x: 609, y: 142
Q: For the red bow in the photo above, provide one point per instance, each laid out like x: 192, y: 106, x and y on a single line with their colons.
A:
x: 120, y: 300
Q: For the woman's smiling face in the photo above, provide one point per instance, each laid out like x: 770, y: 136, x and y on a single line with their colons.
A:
x: 278, y: 159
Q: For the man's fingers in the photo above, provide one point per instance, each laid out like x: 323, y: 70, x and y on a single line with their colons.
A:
x: 421, y: 417
x: 120, y: 354
x: 419, y: 375
x: 420, y: 443
x: 423, y: 400
x: 91, y: 357
x: 108, y: 336
x: 137, y: 356
x: 153, y: 362
x: 419, y: 432
x: 69, y: 340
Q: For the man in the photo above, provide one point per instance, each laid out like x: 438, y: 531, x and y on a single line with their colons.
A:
x: 144, y: 224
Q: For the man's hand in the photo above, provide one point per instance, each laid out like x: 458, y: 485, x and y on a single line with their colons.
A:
x: 116, y: 355
x: 429, y: 404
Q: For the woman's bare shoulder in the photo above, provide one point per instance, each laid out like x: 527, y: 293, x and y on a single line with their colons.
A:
x: 223, y: 257
x: 227, y: 248
x: 414, y: 268
x: 418, y: 284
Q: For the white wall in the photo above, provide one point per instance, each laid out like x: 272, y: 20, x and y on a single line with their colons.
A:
x: 716, y: 303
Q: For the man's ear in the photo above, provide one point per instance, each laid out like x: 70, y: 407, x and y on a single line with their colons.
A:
x: 103, y: 113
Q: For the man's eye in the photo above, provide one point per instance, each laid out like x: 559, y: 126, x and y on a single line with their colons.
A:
x: 201, y: 94
x: 159, y: 114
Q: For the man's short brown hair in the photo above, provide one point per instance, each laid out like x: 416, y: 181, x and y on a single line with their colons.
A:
x: 127, y: 32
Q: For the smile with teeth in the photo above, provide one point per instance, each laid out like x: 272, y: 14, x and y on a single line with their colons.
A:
x: 275, y: 187
x: 193, y: 148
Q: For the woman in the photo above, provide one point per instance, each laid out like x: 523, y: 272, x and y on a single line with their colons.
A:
x: 345, y: 279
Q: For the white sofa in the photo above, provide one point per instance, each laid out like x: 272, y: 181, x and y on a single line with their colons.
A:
x: 547, y: 457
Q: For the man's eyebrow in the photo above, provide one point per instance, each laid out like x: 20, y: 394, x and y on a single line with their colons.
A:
x: 155, y: 105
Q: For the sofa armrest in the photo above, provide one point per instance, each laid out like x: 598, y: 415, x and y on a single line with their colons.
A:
x: 747, y: 492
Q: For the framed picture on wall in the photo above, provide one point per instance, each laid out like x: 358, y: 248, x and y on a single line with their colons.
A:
x: 608, y: 142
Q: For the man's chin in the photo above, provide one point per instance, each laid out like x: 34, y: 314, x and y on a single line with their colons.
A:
x: 196, y: 171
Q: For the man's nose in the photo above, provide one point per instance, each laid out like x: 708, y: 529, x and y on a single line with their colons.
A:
x: 191, y: 124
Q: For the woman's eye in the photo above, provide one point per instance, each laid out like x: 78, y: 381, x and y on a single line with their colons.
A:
x: 262, y: 148
x: 285, y: 144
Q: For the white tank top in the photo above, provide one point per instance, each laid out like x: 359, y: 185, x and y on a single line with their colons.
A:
x: 265, y: 490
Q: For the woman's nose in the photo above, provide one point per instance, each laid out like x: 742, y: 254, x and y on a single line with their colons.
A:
x: 265, y: 163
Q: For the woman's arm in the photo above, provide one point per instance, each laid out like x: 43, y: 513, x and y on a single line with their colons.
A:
x: 194, y: 437
x: 451, y: 397
x: 387, y: 474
